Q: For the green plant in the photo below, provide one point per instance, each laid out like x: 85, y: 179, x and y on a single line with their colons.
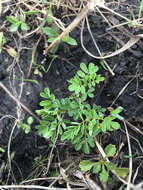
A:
x: 73, y: 118
x: 53, y: 31
x: 26, y: 127
x: 103, y: 167
x: 17, y: 22
x: 2, y: 150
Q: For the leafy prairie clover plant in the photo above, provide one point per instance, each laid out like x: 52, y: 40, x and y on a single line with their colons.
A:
x: 84, y: 121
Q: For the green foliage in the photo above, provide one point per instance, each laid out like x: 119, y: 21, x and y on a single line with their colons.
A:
x: 53, y: 31
x: 84, y: 82
x: 32, y: 12
x: 103, y: 167
x: 110, y: 150
x: 69, y: 40
x: 26, y: 127
x: 2, y: 150
x: 17, y: 22
x: 84, y: 121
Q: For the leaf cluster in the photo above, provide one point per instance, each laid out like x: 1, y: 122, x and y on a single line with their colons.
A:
x: 103, y: 167
x: 53, y: 31
x: 73, y: 118
x: 24, y: 126
x: 17, y: 22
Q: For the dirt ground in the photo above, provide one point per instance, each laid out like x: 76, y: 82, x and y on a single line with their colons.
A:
x: 124, y: 89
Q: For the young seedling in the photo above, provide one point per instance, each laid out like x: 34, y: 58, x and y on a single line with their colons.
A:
x: 53, y: 31
x: 84, y: 121
x: 102, y: 167
x: 17, y: 22
x: 26, y: 127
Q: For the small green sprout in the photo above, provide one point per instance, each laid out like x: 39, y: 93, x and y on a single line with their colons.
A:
x: 26, y: 127
x: 17, y: 22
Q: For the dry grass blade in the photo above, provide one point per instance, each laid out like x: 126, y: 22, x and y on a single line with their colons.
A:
x: 8, y: 149
x: 129, y: 44
x: 137, y: 170
x: 133, y: 127
x: 130, y: 159
x: 29, y: 187
x: 88, y: 26
x: 122, y: 91
x: 90, y: 6
x: 139, y: 186
x: 133, y: 40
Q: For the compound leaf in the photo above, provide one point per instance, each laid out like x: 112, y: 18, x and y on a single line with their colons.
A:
x: 84, y: 67
x: 92, y: 68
